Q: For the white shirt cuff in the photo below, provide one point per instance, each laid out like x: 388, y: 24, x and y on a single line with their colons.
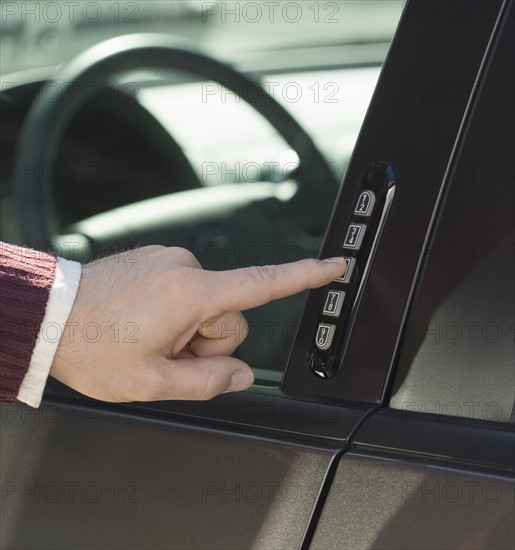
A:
x: 60, y: 302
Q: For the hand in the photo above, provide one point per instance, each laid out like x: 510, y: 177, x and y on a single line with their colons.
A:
x: 185, y: 323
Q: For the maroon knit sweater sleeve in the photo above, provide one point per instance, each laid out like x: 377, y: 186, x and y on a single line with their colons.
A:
x: 26, y: 277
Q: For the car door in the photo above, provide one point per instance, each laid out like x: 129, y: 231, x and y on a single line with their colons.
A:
x: 434, y: 467
x: 330, y: 457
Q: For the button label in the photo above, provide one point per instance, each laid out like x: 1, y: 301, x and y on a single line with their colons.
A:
x: 365, y: 204
x: 333, y: 303
x: 324, y: 336
x: 354, y: 236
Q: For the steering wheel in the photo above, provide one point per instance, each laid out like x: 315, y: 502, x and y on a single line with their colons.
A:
x: 47, y: 120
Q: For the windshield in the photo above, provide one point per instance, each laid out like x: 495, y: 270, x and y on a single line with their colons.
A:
x: 36, y: 34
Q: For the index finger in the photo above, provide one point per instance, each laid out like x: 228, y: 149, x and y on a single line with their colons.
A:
x: 255, y: 286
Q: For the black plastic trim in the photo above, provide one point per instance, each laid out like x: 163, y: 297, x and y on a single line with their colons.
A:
x: 484, y: 444
x: 259, y: 410
x: 419, y: 154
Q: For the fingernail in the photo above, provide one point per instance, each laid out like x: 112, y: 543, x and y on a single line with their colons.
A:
x: 240, y: 380
x: 337, y: 260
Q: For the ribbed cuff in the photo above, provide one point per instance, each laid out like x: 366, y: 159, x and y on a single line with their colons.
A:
x: 26, y: 277
x: 60, y: 303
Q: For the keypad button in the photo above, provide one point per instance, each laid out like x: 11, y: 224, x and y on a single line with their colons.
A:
x: 333, y: 303
x: 351, y: 262
x: 354, y: 236
x: 365, y: 204
x: 324, y: 336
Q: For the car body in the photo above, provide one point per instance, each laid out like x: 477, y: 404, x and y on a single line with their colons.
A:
x: 404, y: 437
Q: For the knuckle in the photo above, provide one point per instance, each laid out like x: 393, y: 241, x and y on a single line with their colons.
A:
x: 266, y: 272
x: 267, y: 275
x: 211, y: 389
x: 152, y: 248
x: 182, y: 255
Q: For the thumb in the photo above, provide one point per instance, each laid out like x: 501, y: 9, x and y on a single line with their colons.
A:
x: 202, y: 378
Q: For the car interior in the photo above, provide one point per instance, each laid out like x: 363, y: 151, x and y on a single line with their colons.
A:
x: 253, y: 133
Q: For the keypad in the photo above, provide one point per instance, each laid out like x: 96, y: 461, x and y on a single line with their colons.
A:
x: 359, y: 239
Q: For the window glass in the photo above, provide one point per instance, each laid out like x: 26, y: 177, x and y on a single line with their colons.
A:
x: 320, y: 60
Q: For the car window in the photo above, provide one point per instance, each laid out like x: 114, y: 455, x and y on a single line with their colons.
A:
x: 319, y: 60
x: 39, y: 33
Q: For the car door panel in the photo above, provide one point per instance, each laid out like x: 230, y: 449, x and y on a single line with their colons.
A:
x: 74, y: 477
x: 385, y: 502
